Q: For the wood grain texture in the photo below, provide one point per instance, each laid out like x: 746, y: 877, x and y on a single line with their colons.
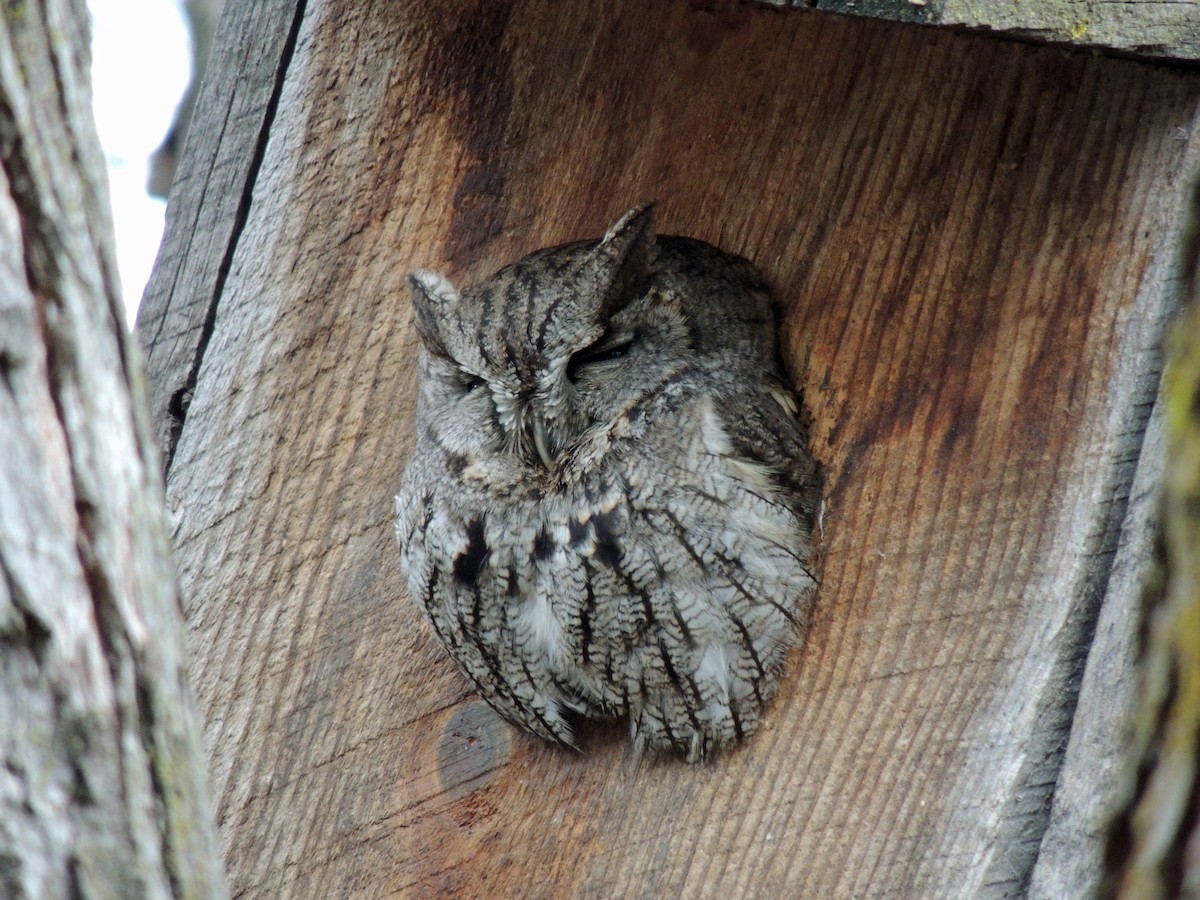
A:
x: 1091, y: 782
x: 102, y: 778
x: 209, y: 202
x: 971, y: 241
x: 1152, y: 849
x: 1150, y: 28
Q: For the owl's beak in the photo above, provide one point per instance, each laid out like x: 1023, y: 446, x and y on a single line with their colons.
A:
x: 539, y: 441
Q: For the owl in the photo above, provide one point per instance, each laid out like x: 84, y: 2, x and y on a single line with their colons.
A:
x: 610, y: 507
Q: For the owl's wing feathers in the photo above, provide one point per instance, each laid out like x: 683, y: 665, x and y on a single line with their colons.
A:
x: 768, y: 430
x: 733, y: 548
x: 733, y: 336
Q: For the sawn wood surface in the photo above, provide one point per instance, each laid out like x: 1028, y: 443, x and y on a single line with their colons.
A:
x: 973, y: 246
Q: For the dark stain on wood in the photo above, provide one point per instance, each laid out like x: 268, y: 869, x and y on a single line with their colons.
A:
x: 475, y: 743
x: 470, y: 65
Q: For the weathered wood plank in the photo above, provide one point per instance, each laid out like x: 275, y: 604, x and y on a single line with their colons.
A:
x: 1071, y: 859
x: 209, y: 201
x: 971, y: 242
x: 1089, y: 787
x: 1151, y: 848
x: 1143, y: 27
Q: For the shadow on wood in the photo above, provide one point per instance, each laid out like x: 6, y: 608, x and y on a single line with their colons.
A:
x: 972, y: 242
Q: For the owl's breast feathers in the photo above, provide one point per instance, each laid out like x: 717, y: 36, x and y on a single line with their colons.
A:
x: 665, y: 585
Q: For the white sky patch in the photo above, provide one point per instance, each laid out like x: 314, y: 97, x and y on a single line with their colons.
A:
x: 141, y: 60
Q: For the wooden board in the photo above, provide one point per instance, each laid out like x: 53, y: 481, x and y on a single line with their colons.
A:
x: 1140, y: 27
x: 972, y: 242
x: 1150, y: 847
x: 210, y: 199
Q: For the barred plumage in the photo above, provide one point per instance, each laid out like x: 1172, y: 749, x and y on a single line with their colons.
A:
x: 611, y: 503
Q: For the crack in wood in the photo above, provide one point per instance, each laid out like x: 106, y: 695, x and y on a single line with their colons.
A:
x: 180, y: 398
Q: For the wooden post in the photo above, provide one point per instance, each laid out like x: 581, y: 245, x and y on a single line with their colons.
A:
x: 972, y: 242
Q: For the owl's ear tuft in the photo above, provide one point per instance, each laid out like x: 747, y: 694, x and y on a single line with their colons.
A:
x: 624, y: 258
x: 434, y: 299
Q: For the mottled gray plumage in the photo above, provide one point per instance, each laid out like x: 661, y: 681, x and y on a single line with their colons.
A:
x: 611, y: 503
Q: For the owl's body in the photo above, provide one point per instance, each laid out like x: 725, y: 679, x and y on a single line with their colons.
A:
x: 611, y: 502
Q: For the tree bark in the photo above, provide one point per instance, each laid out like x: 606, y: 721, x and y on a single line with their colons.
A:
x: 973, y: 244
x: 102, y: 779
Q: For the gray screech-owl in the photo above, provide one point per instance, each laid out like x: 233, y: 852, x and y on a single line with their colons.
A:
x: 611, y: 502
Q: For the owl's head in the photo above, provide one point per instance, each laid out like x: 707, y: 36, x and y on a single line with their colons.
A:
x: 551, y: 351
